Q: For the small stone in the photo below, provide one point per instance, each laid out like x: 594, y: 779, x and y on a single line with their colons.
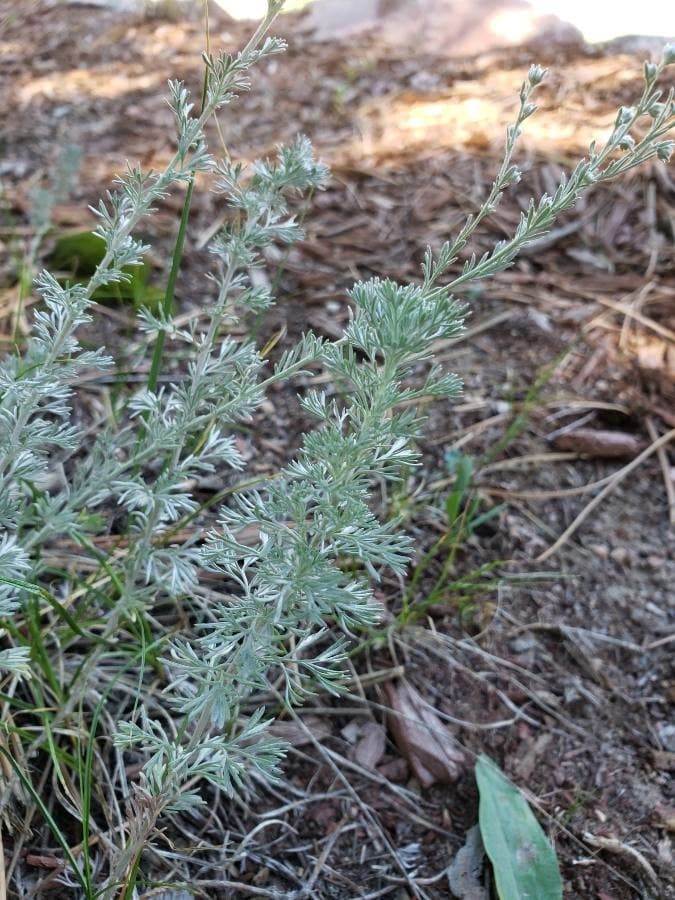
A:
x: 655, y: 562
x: 667, y: 736
x: 351, y: 731
x: 523, y: 644
x: 638, y: 615
x: 424, y: 82
x: 654, y: 609
x: 620, y: 555
x: 600, y: 550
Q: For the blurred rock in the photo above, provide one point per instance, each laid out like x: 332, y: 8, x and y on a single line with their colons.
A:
x: 446, y: 27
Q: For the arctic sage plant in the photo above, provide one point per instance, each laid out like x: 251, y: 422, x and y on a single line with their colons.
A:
x: 286, y: 590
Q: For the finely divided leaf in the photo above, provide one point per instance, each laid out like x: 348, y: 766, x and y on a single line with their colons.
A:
x: 524, y: 862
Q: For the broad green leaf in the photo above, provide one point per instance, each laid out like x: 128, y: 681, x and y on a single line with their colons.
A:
x: 523, y: 860
x: 79, y: 255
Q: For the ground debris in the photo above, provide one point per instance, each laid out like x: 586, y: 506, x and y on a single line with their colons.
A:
x: 613, y: 845
x: 466, y: 868
x: 424, y: 741
x: 592, y: 442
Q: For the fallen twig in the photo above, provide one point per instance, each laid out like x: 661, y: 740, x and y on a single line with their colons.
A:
x: 665, y: 469
x: 596, y: 501
x: 625, y: 850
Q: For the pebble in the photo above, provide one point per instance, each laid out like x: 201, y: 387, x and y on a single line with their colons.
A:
x: 653, y: 608
x: 620, y: 555
x: 523, y: 644
x: 639, y: 616
x: 600, y: 550
x: 667, y: 736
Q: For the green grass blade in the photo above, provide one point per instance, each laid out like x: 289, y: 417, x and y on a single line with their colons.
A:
x: 463, y: 469
x: 37, y: 591
x: 86, y: 785
x: 49, y: 819
x: 523, y: 860
x: 167, y: 304
x: 38, y: 651
x: 85, y: 763
x: 133, y: 878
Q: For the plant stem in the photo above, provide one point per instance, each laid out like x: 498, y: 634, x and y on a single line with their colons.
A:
x: 167, y: 304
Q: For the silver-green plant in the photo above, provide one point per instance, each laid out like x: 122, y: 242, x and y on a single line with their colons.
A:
x: 289, y: 586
